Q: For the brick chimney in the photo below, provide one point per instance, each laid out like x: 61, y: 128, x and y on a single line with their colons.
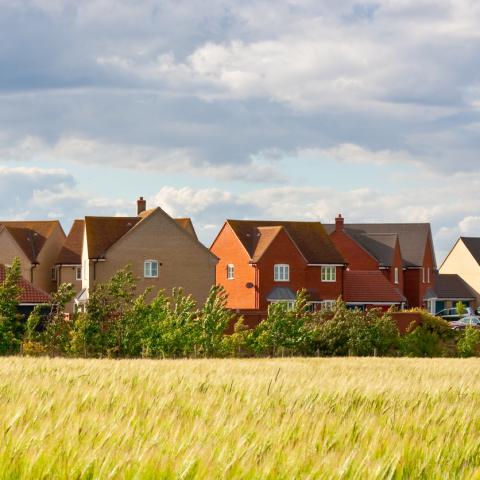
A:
x: 141, y: 205
x: 339, y: 223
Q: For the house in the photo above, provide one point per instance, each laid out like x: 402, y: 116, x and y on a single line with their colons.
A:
x: 163, y: 253
x: 263, y: 262
x: 69, y: 260
x: 464, y: 260
x: 402, y: 252
x: 30, y: 296
x: 37, y: 245
x: 449, y: 290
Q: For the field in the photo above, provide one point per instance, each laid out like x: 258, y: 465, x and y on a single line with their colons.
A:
x: 278, y: 419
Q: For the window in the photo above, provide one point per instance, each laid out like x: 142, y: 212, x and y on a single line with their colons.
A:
x: 428, y: 275
x: 281, y: 273
x: 327, y: 304
x: 230, y: 271
x: 150, y: 269
x: 396, y: 276
x: 329, y: 274
x: 54, y: 274
x: 78, y: 273
x: 288, y: 304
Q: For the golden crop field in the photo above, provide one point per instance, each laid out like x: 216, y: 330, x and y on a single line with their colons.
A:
x: 277, y: 419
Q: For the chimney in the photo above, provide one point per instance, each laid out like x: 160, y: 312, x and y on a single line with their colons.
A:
x: 141, y: 205
x: 339, y: 222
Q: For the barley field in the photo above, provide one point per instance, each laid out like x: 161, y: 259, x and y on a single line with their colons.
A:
x: 247, y: 419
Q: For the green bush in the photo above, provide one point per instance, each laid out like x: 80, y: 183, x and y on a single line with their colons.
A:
x: 468, y: 344
x: 432, y: 338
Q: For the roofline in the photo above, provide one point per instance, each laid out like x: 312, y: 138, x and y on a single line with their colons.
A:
x: 374, y: 303
x: 460, y: 239
x: 282, y: 228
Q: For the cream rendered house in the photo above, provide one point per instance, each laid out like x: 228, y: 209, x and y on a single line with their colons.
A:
x: 162, y: 252
x: 37, y: 245
x: 464, y: 260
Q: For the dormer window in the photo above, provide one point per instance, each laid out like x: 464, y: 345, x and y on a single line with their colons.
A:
x: 281, y: 273
x: 150, y: 269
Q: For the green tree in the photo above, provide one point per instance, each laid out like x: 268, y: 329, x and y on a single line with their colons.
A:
x: 461, y: 309
x: 11, y: 328
x: 469, y: 343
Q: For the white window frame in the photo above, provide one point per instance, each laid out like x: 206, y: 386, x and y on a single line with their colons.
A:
x: 78, y: 274
x: 53, y: 274
x: 147, y: 264
x: 290, y: 304
x: 230, y: 271
x: 396, y: 274
x: 281, y: 272
x: 327, y: 304
x: 328, y: 274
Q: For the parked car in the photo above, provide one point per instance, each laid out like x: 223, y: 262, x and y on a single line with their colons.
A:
x: 450, y: 314
x: 465, y: 322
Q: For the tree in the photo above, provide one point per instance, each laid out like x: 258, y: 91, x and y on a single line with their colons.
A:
x: 10, y: 320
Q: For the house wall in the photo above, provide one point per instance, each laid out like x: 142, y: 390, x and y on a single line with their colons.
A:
x: 228, y: 248
x: 461, y: 262
x: 428, y: 263
x: 281, y: 251
x: 42, y: 274
x: 184, y: 262
x: 326, y: 290
x: 9, y: 249
x: 66, y: 274
x: 356, y: 257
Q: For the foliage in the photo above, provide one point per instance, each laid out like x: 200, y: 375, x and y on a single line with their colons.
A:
x: 432, y: 338
x: 10, y: 321
x: 468, y: 344
x: 461, y: 309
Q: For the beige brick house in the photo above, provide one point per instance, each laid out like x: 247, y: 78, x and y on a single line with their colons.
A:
x: 162, y: 252
x: 37, y: 245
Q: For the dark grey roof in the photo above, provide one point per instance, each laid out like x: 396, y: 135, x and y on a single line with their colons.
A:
x: 281, y: 294
x: 450, y: 287
x: 380, y: 245
x: 473, y: 246
x: 413, y: 237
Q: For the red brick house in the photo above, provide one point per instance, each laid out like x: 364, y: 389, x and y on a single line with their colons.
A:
x: 402, y: 252
x: 263, y: 262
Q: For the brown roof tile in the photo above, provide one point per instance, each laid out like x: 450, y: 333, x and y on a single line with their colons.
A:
x: 30, y: 235
x: 310, y: 237
x: 369, y: 287
x: 29, y: 293
x: 71, y: 252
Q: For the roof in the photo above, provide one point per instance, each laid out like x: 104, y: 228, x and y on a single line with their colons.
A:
x: 30, y: 235
x: 369, y: 287
x: 380, y: 245
x: 281, y: 294
x: 29, y: 293
x: 413, y: 237
x: 71, y: 252
x: 310, y: 237
x: 103, y: 232
x: 450, y: 287
x: 473, y: 246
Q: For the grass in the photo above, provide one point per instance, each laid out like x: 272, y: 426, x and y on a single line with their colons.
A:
x: 275, y: 419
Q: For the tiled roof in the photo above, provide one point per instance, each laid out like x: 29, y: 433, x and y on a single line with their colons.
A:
x: 29, y: 293
x: 278, y: 294
x: 413, y: 237
x: 103, y: 232
x: 71, y: 252
x: 310, y: 237
x: 369, y: 287
x: 473, y: 246
x: 30, y: 235
x: 380, y: 245
x: 449, y: 287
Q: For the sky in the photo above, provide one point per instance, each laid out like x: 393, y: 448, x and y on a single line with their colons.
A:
x: 215, y: 109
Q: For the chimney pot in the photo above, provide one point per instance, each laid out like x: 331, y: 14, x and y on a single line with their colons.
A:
x: 141, y: 205
x: 339, y: 223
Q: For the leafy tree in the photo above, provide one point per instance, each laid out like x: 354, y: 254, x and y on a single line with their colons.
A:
x: 461, y: 309
x: 10, y: 319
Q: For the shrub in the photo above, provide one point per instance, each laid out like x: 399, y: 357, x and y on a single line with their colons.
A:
x: 432, y: 338
x: 469, y: 343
